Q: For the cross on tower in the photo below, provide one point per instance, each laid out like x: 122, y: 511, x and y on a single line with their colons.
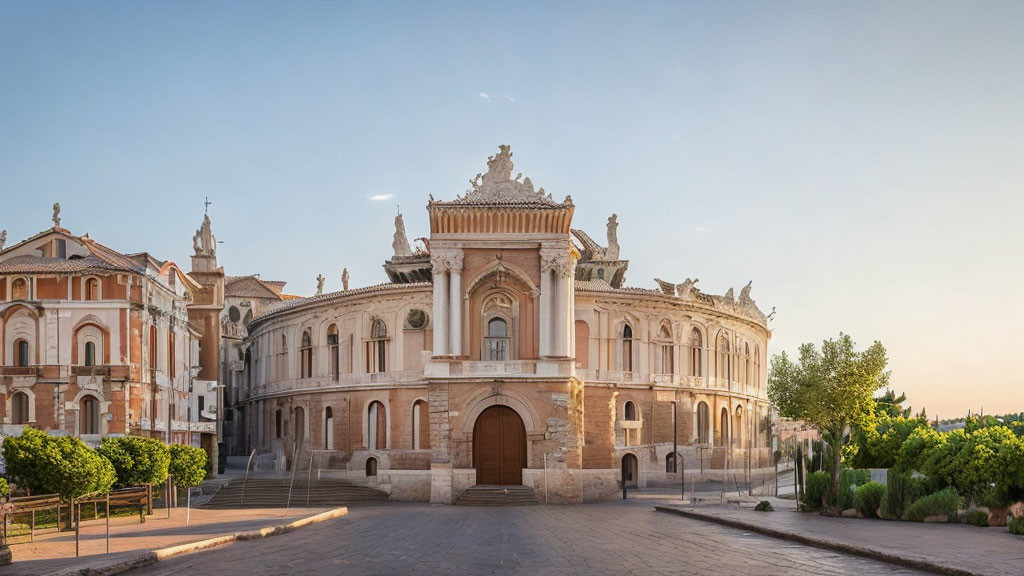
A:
x: 207, y: 204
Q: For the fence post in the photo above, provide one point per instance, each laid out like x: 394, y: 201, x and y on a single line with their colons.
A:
x: 32, y: 527
x: 108, y: 523
x: 76, y: 513
x: 149, y: 499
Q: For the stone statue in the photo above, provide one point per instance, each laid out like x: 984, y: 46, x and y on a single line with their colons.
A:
x: 687, y: 288
x: 499, y: 166
x: 729, y: 296
x: 344, y: 279
x: 400, y: 244
x: 56, y: 214
x: 612, y: 252
x: 745, y: 294
x: 320, y: 284
x: 3, y: 238
x: 203, y: 242
x: 497, y: 184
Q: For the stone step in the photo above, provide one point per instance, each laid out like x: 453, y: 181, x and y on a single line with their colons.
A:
x: 273, y: 493
x: 497, y: 496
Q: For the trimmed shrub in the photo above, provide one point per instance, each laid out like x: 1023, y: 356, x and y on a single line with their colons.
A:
x: 901, y: 491
x: 1015, y: 525
x: 868, y: 498
x: 817, y: 485
x: 57, y: 465
x: 4, y: 488
x: 849, y: 480
x: 136, y: 460
x: 944, y: 502
x: 188, y: 465
x: 764, y: 506
x: 977, y: 517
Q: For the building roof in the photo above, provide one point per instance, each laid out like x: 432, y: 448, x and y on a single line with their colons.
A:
x: 298, y: 302
x: 252, y: 287
x: 39, y: 265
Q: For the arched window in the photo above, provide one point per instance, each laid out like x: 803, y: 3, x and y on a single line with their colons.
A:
x: 328, y: 428
x: 631, y: 426
x: 670, y: 463
x: 746, y: 363
x: 248, y: 317
x: 724, y: 365
x: 420, y: 426
x: 376, y: 347
x: 757, y: 366
x: 92, y: 289
x: 152, y: 348
x: 627, y: 348
x: 377, y: 427
x: 333, y: 350
x: 496, y: 342
x: 723, y: 427
x: 21, y: 356
x: 170, y: 353
x: 19, y: 289
x: 668, y: 364
x: 737, y: 426
x: 172, y: 278
x: 89, y: 412
x: 371, y: 467
x: 696, y: 353
x: 629, y: 411
x: 90, y: 354
x: 19, y: 408
x: 281, y: 363
x: 703, y: 423
x: 306, y: 356
x: 234, y: 314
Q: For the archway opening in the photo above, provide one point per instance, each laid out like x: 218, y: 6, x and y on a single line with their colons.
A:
x: 499, y: 447
x: 630, y: 471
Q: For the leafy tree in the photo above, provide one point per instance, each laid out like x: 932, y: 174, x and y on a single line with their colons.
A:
x: 188, y: 465
x: 831, y: 389
x: 60, y: 465
x: 136, y: 460
x: 877, y: 443
x: 890, y: 405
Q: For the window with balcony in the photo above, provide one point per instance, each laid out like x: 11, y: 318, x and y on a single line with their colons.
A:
x: 306, y: 356
x: 627, y: 348
x: 696, y: 353
x: 667, y: 349
x: 376, y: 347
x: 496, y: 343
x: 333, y: 350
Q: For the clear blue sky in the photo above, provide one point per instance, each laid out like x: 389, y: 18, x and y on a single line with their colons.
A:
x: 863, y: 163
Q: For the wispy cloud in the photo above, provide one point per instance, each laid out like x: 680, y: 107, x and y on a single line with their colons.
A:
x: 699, y: 230
x: 379, y: 197
x: 510, y: 98
x: 485, y: 96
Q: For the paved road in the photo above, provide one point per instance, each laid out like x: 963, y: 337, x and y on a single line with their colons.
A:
x: 609, y: 538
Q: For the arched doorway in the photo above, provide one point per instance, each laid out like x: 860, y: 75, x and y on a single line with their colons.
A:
x: 499, y: 447
x: 630, y: 471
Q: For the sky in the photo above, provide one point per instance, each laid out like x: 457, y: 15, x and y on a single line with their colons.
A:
x: 862, y: 163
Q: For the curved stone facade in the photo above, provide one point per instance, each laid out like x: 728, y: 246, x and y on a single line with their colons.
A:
x: 390, y: 385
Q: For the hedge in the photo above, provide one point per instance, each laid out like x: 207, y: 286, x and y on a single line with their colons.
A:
x: 136, y: 460
x: 817, y: 484
x: 945, y: 502
x: 868, y: 498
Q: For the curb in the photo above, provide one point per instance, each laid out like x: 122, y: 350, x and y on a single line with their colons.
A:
x: 154, y: 556
x: 822, y: 543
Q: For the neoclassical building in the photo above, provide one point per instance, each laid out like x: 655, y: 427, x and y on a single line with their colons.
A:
x: 96, y: 342
x: 508, y: 351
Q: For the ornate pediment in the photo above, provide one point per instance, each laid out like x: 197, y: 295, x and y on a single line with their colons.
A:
x: 497, y: 187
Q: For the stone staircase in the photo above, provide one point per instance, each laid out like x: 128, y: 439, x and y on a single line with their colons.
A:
x: 273, y: 493
x: 497, y: 496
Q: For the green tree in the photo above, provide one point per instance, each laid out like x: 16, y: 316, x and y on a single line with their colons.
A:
x: 188, y: 465
x: 58, y: 465
x: 831, y: 389
x: 136, y: 460
x: 891, y: 405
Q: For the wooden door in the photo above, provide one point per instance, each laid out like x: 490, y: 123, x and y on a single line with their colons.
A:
x: 499, y: 447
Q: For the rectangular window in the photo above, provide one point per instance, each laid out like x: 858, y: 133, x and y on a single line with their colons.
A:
x: 202, y: 404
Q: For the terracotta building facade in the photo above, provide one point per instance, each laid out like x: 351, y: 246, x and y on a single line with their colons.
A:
x: 507, y: 351
x: 96, y: 342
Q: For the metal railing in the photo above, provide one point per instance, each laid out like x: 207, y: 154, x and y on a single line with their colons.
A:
x: 246, y: 481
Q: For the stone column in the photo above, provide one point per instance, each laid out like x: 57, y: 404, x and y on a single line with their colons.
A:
x: 440, y: 309
x: 562, y: 303
x: 455, y: 306
x: 545, y: 320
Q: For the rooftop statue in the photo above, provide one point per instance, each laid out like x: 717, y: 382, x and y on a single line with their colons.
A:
x: 320, y: 284
x: 56, y: 214
x: 498, y: 186
x: 400, y: 244
x: 203, y: 242
x: 594, y: 251
x: 3, y: 238
x: 344, y: 279
x: 745, y: 294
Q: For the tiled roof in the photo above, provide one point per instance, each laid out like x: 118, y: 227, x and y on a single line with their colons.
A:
x: 248, y: 287
x: 340, y: 295
x: 37, y: 265
x: 602, y: 286
x: 111, y: 256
